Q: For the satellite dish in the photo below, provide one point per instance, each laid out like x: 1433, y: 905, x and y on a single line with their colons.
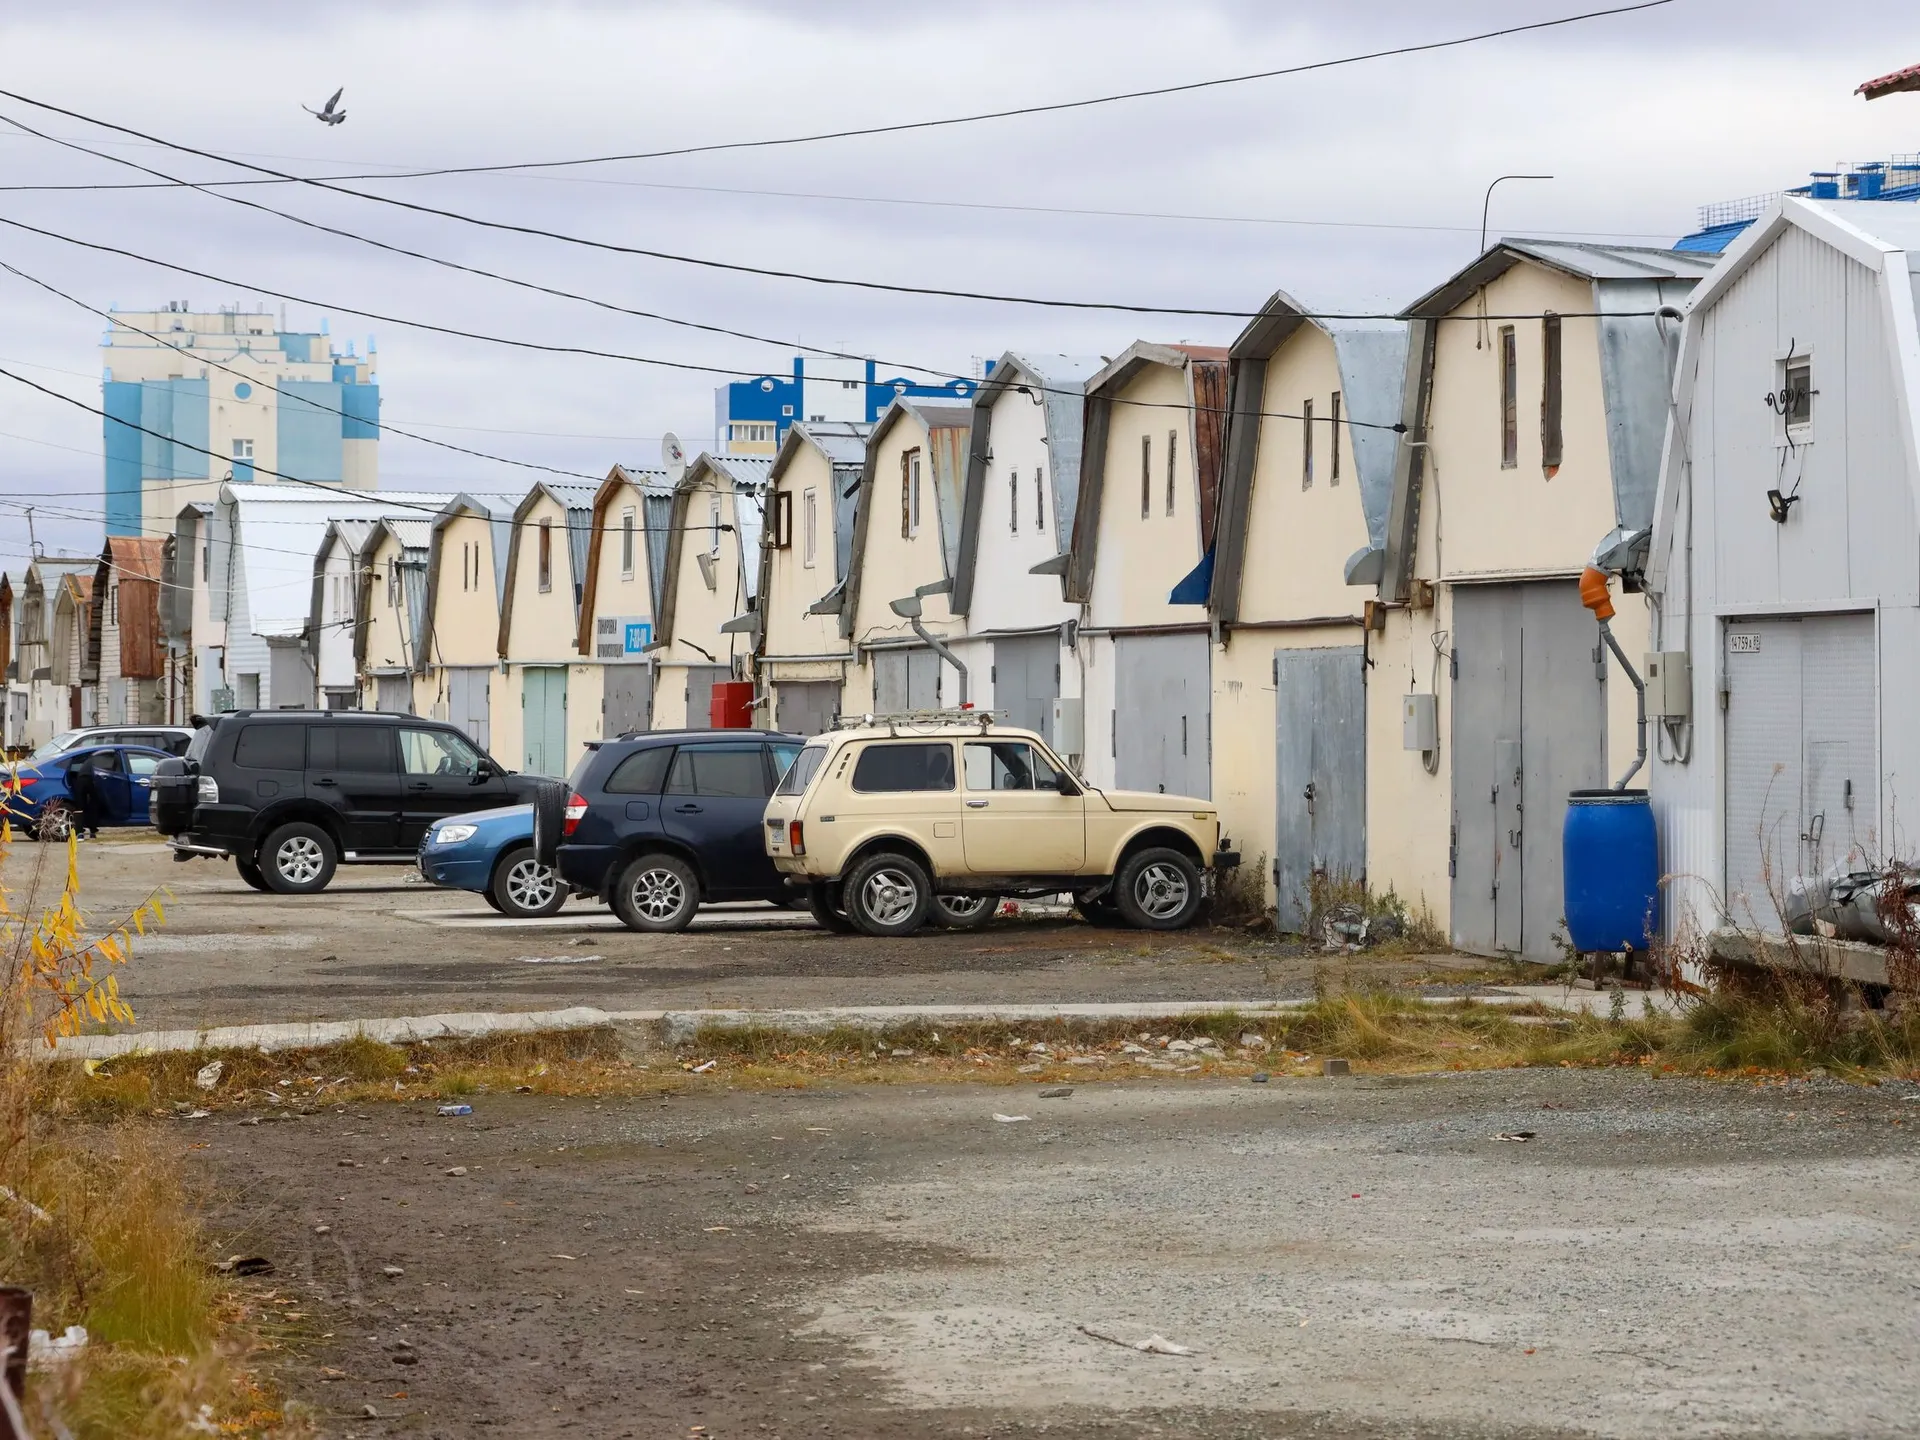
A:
x: 673, y: 458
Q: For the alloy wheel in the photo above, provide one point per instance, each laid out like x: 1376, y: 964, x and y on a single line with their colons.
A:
x: 531, y: 885
x: 889, y: 895
x: 1161, y: 891
x: 658, y: 894
x: 965, y: 907
x: 299, y: 860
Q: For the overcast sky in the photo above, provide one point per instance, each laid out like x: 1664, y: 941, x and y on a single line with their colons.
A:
x: 1357, y: 187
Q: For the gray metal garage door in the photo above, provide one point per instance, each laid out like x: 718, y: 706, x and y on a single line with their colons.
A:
x: 1026, y: 677
x: 1529, y: 725
x: 805, y: 707
x: 467, y: 701
x: 905, y: 680
x: 626, y: 703
x: 1160, y: 730
x: 1802, y: 772
x: 1320, y: 792
x: 700, y: 682
x: 393, y: 693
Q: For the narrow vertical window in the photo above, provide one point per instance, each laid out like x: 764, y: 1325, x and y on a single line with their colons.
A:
x: 626, y: 542
x: 1333, y: 426
x: 1550, y: 394
x: 1509, y: 400
x: 906, y: 504
x: 1146, y: 476
x: 713, y: 520
x: 1039, y: 499
x: 913, y: 492
x: 1013, y: 501
x: 1306, y: 444
x: 546, y: 555
x: 1173, y: 455
x: 810, y: 520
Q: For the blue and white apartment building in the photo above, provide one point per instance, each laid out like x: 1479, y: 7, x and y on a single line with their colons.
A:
x: 260, y: 397
x: 751, y: 417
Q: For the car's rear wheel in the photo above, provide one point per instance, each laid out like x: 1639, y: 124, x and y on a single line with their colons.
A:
x: 887, y: 895
x: 298, y: 859
x: 523, y: 887
x: 656, y: 893
x: 831, y: 917
x: 963, y: 912
x: 250, y: 873
x: 1159, y: 889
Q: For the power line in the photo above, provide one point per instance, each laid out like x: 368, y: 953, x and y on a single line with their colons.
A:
x: 707, y: 262
x: 948, y: 122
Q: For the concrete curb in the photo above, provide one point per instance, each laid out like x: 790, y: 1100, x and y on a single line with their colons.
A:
x: 671, y: 1027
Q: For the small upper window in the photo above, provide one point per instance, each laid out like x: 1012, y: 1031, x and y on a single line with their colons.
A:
x: 626, y: 542
x: 1039, y: 500
x: 1333, y: 441
x: 1796, y: 392
x: 1509, y: 400
x: 890, y: 767
x: 1306, y: 444
x: 1013, y: 501
x: 546, y: 555
x: 810, y: 520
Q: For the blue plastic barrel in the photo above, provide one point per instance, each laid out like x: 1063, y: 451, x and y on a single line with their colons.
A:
x: 1610, y: 858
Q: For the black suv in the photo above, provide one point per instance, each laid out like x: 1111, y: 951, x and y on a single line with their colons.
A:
x: 290, y: 794
x: 660, y: 823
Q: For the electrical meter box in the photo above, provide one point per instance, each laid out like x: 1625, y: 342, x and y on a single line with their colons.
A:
x: 1420, y: 722
x: 1067, y: 732
x: 1669, y: 676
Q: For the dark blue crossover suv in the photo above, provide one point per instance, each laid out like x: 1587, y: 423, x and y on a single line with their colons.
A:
x: 661, y: 823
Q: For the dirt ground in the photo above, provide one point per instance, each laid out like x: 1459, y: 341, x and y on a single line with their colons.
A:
x: 1356, y: 1258
x: 374, y: 945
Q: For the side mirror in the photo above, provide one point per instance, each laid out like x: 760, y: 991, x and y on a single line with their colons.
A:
x: 483, y: 772
x: 1065, y: 784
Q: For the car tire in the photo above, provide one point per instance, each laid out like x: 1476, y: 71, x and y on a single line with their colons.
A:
x: 524, y: 888
x: 492, y: 904
x: 656, y: 893
x: 887, y: 895
x: 1158, y: 889
x: 963, y: 912
x: 298, y: 859
x: 1099, y: 911
x: 55, y: 822
x: 549, y: 815
x: 250, y: 873
x: 830, y: 916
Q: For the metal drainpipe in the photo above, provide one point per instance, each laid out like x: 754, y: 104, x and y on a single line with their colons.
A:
x: 1639, y: 701
x: 939, y: 648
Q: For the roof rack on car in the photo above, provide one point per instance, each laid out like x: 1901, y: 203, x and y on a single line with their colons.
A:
x: 893, y: 719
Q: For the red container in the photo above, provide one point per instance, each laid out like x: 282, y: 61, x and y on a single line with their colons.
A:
x: 732, y: 707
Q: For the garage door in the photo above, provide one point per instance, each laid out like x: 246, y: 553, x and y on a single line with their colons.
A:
x: 467, y: 701
x: 700, y: 682
x: 627, y: 701
x: 905, y: 680
x: 805, y: 707
x: 1026, y: 677
x: 1163, y: 713
x: 1320, y: 714
x: 543, y: 699
x: 1529, y: 725
x: 1802, y: 772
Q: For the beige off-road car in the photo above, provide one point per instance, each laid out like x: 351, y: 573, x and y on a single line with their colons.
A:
x: 891, y: 823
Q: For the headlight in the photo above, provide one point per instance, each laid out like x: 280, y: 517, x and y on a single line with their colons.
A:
x: 453, y: 834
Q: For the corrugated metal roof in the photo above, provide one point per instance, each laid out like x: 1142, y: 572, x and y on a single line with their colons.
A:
x: 748, y: 474
x: 413, y: 534
x: 1585, y: 261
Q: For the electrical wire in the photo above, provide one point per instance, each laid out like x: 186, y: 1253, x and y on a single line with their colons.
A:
x: 948, y: 122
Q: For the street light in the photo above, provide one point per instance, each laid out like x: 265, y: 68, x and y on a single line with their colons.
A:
x: 1487, y: 200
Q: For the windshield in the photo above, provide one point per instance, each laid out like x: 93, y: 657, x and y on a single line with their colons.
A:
x: 794, y: 782
x: 63, y: 741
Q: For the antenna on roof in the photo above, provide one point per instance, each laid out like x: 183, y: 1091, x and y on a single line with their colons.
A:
x: 33, y: 541
x: 673, y: 458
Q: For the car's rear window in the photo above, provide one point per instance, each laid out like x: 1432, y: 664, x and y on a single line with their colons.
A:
x: 904, y: 766
x: 641, y: 773
x: 802, y: 771
x: 202, y: 741
x: 271, y: 747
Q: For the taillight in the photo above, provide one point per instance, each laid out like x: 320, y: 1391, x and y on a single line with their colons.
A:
x: 796, y: 838
x: 576, y: 812
x: 207, y: 790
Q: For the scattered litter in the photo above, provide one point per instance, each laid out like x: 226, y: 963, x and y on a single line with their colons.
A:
x: 1253, y: 1041
x: 558, y: 959
x: 636, y: 1292
x: 1010, y: 1119
x: 92, y: 1067
x: 701, y: 1068
x: 718, y: 1229
x: 818, y: 1130
x: 1058, y: 1092
x: 208, y: 1076
x: 563, y: 1257
x: 44, y: 1351
x: 369, y: 1412
x: 753, y: 1189
x: 523, y: 1089
x: 323, y: 1229
x: 898, y: 1054
x: 21, y: 1202
x: 454, y: 1110
x: 197, y: 1115
x: 248, y: 1120
x: 1132, y: 1049
x: 244, y: 1265
x: 392, y: 1272
x: 1260, y: 1077
x: 1520, y: 1135
x: 1335, y: 1067
x: 454, y: 1170
x: 1155, y: 1344
x: 1031, y: 1069
x: 350, y: 1164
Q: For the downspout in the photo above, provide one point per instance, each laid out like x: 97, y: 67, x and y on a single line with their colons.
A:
x: 1593, y: 595
x: 939, y: 648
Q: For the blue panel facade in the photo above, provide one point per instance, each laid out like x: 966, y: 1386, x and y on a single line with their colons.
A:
x: 176, y: 408
x: 778, y: 400
x: 362, y: 404
x: 121, y: 443
x: 309, y: 436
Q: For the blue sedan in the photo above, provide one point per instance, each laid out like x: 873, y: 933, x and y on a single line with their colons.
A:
x: 491, y: 853
x: 39, y: 801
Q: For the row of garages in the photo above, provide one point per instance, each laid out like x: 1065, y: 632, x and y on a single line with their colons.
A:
x: 1326, y: 576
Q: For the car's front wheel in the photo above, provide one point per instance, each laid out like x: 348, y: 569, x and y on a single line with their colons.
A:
x: 887, y: 895
x: 524, y: 888
x: 55, y: 823
x: 298, y: 859
x: 964, y: 912
x: 656, y: 893
x: 1158, y: 889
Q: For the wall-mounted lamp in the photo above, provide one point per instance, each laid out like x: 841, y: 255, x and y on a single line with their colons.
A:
x: 1780, y: 506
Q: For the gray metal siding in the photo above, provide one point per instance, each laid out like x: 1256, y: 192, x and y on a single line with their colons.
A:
x: 907, y: 679
x: 468, y: 701
x: 1026, y: 678
x: 1163, y: 714
x: 627, y: 700
x: 805, y: 707
x: 700, y: 680
x: 1320, y: 714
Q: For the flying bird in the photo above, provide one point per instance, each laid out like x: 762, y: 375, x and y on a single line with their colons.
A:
x: 328, y: 115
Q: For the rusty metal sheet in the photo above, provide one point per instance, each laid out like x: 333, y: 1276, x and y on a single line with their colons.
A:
x: 1209, y: 388
x: 143, y: 654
